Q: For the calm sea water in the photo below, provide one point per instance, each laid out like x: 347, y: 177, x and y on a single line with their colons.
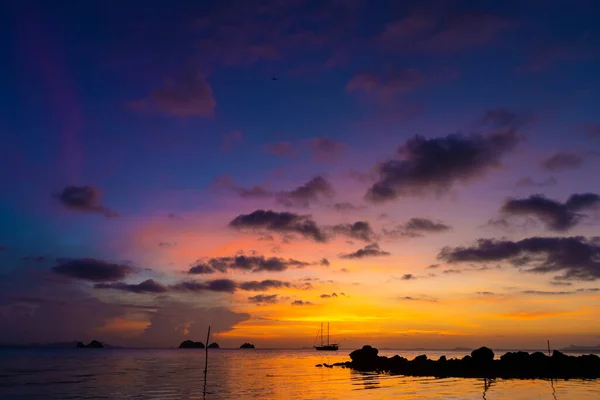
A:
x: 244, y: 374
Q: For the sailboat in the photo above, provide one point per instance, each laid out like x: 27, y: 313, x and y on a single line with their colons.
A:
x: 323, y: 346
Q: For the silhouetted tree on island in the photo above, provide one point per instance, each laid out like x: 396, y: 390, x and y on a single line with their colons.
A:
x: 94, y: 344
x: 247, y: 346
x: 213, y: 346
x: 189, y: 344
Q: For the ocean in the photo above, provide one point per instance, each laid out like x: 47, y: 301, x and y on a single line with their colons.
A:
x: 245, y: 374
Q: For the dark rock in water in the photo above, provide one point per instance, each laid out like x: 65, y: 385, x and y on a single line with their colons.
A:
x: 480, y: 364
x: 189, y: 344
x: 213, y: 346
x: 247, y: 346
x: 482, y: 355
x: 319, y: 365
x: 94, y: 344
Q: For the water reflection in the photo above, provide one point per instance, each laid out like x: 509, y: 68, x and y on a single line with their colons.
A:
x: 368, y: 380
x: 486, y: 385
x: 553, y: 390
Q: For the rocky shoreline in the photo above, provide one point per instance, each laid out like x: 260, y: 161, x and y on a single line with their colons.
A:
x: 480, y: 364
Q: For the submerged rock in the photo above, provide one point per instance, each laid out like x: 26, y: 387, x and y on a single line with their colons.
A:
x: 480, y: 364
x: 213, y: 346
x: 247, y: 346
x: 189, y: 344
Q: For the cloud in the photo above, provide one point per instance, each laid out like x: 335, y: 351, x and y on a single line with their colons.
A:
x: 263, y: 299
x: 325, y: 149
x: 576, y: 257
x: 388, y: 85
x: 428, y: 299
x: 36, y: 259
x: 282, y: 149
x: 254, y: 263
x: 451, y: 271
x: 93, y: 270
x: 592, y: 130
x: 325, y: 262
x: 528, y: 182
x: 544, y: 293
x: 280, y: 222
x: 328, y: 296
x: 191, y: 95
x: 562, y: 161
x: 451, y: 30
x: 217, y: 285
x: 371, y: 250
x: 437, y: 164
x: 408, y: 277
x: 360, y: 230
x: 166, y: 245
x: 301, y: 303
x: 433, y: 266
x: 557, y: 216
x: 312, y: 191
x: 486, y: 293
x: 417, y: 227
x: 147, y: 286
x: 261, y: 286
x: 85, y: 199
x: 345, y: 206
x: 174, y: 216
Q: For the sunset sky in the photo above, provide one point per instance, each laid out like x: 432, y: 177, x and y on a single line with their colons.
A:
x: 416, y: 173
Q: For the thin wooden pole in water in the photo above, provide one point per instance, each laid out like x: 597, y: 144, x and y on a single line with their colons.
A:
x: 206, y: 360
x: 549, y: 353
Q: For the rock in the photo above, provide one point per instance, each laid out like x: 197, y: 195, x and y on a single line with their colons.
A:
x: 94, y: 344
x: 247, y: 346
x: 189, y: 344
x: 213, y: 346
x: 482, y: 355
x: 319, y: 365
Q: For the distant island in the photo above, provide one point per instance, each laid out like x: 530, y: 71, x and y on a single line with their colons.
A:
x: 94, y: 344
x: 247, y: 346
x: 575, y: 348
x: 213, y: 346
x: 480, y: 364
x: 189, y: 344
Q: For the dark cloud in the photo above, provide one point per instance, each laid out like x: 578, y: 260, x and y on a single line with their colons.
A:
x: 301, y: 303
x: 217, y: 285
x: 387, y: 85
x: 147, y: 286
x: 576, y: 257
x: 437, y: 164
x: 90, y: 269
x: 174, y: 216
x: 166, y: 245
x: 360, y: 230
x: 371, y: 250
x: 544, y: 293
x: 345, y: 206
x: 312, y: 191
x: 408, y: 277
x: 191, y: 95
x: 281, y: 222
x: 325, y: 149
x: 555, y: 215
x: 528, y: 182
x: 561, y: 283
x: 325, y: 262
x: 254, y: 263
x: 419, y: 298
x: 263, y: 299
x: 303, y: 195
x: 261, y: 286
x: 417, y: 227
x: 433, y: 266
x: 452, y: 271
x: 486, y: 293
x: 327, y: 296
x: 562, y: 161
x: 85, y: 199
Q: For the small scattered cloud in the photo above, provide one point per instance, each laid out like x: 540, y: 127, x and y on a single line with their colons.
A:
x: 433, y: 266
x: 35, y: 259
x: 325, y: 262
x: 217, y: 285
x: 90, y: 269
x: 301, y: 303
x: 263, y: 299
x: 282, y: 149
x: 486, y: 293
x: 555, y: 215
x: 451, y: 271
x: 191, y: 95
x: 388, y: 85
x: 408, y: 277
x: 371, y: 250
x: 423, y: 298
x: 328, y: 296
x: 147, y: 286
x: 562, y: 161
x: 316, y: 189
x: 166, y: 245
x: 346, y: 206
x: 85, y: 199
x: 360, y: 230
x: 417, y: 227
x: 280, y: 222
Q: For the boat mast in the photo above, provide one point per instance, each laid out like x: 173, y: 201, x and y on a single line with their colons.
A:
x: 328, y: 334
x: 321, y: 334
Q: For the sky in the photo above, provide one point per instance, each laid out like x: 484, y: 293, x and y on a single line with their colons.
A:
x: 416, y: 173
